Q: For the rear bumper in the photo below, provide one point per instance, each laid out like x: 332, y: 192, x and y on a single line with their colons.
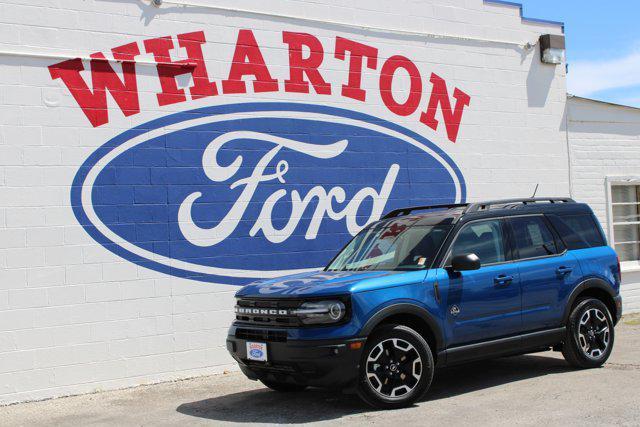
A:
x: 321, y: 363
x: 618, y: 300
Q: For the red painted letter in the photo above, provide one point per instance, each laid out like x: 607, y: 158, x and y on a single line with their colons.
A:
x: 248, y: 60
x: 168, y: 70
x: 357, y: 51
x: 103, y: 77
x: 440, y: 96
x: 299, y: 66
x: 415, y: 91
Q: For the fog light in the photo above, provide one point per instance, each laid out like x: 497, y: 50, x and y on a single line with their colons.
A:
x: 552, y: 49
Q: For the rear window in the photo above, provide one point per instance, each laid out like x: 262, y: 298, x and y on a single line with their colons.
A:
x: 578, y: 231
x: 532, y: 237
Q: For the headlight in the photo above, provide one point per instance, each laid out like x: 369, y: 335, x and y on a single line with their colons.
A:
x: 319, y: 312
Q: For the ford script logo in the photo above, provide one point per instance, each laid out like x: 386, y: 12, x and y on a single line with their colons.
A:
x: 239, y: 192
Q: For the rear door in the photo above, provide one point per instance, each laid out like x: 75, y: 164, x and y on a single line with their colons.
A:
x: 547, y: 271
x: 483, y: 304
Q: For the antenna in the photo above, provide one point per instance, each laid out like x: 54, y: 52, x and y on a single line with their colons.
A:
x: 535, y: 191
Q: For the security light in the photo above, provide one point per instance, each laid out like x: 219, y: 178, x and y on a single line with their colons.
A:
x: 552, y: 49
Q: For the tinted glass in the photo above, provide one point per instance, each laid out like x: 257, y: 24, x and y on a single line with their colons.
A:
x: 578, y: 231
x: 483, y: 238
x: 532, y: 237
x: 400, y: 246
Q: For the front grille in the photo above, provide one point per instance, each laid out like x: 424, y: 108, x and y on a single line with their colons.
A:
x: 269, y: 312
x: 261, y: 335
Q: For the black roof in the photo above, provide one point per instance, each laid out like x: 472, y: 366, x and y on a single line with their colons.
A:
x: 452, y: 213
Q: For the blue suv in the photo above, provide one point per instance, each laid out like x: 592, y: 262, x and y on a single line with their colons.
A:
x: 434, y: 286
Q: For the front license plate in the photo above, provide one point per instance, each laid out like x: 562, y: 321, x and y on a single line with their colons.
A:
x: 257, y: 351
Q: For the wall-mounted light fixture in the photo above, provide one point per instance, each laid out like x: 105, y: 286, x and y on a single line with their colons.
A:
x: 552, y: 49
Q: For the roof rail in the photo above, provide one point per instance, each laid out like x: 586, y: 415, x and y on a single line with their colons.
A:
x: 408, y: 210
x: 480, y: 206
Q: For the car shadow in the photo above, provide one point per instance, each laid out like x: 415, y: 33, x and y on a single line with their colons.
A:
x: 266, y: 406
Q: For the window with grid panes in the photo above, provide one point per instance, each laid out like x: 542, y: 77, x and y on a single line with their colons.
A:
x: 625, y: 201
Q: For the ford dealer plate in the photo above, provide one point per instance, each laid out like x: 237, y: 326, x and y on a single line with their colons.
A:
x: 257, y: 351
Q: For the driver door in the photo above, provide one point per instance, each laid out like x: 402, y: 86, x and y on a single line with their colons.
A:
x: 482, y: 304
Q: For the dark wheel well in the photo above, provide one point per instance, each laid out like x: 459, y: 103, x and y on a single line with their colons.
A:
x: 601, y: 295
x: 417, y: 324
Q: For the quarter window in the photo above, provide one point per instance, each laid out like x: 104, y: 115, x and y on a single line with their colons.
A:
x: 532, y: 237
x: 625, y: 201
x: 578, y: 231
x: 483, y: 238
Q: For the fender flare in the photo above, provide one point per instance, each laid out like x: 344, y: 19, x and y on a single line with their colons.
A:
x: 405, y: 308
x: 592, y: 283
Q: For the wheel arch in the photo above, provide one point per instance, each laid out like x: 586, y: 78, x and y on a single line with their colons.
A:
x: 595, y: 288
x: 410, y: 315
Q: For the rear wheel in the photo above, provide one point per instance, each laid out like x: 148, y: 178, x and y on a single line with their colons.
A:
x: 396, y: 367
x: 590, y: 334
x: 283, y: 387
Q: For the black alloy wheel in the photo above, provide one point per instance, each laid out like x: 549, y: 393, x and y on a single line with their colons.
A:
x: 594, y: 333
x: 590, y: 334
x: 396, y: 367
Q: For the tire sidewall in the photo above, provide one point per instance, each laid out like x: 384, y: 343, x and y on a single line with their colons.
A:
x: 422, y: 347
x: 574, y: 324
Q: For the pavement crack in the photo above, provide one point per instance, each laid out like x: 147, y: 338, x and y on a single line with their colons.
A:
x: 623, y: 366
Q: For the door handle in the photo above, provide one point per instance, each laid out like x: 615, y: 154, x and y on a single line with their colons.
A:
x: 502, y: 279
x: 563, y: 271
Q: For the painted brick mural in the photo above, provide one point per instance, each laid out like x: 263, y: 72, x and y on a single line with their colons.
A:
x: 153, y: 159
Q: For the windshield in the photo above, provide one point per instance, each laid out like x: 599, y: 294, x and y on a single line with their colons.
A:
x: 396, y: 247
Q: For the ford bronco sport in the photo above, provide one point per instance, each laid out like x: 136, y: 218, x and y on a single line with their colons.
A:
x: 434, y: 286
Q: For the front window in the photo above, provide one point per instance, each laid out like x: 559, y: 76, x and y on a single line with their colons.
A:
x: 388, y: 247
x: 483, y: 238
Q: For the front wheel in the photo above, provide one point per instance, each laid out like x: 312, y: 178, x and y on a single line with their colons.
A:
x: 396, y: 368
x: 283, y: 387
x: 589, y: 338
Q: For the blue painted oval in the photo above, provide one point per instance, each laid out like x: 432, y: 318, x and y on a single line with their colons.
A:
x: 128, y: 193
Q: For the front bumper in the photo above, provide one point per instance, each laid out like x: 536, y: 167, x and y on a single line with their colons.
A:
x: 317, y: 363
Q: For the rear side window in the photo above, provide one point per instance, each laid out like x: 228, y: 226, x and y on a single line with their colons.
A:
x: 532, y: 237
x: 578, y: 231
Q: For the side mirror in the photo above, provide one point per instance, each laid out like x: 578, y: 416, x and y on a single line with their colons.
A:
x: 465, y: 262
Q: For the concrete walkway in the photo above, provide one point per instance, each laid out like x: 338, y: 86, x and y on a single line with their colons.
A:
x: 526, y: 390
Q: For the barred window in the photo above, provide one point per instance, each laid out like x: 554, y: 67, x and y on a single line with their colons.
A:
x: 625, y: 206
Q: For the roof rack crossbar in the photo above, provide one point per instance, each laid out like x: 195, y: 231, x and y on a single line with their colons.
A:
x: 474, y: 207
x: 408, y: 210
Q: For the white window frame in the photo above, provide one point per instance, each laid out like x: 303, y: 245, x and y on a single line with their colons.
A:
x: 625, y: 266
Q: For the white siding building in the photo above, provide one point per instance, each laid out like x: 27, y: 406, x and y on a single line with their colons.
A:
x: 604, y: 144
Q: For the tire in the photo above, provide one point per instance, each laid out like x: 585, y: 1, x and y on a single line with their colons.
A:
x: 590, y: 334
x: 396, y: 368
x: 283, y: 387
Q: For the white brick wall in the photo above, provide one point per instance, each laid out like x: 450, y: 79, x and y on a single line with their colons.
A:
x: 604, y: 142
x: 74, y: 317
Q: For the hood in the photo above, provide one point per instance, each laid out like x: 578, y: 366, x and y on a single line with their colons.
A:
x: 321, y: 283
